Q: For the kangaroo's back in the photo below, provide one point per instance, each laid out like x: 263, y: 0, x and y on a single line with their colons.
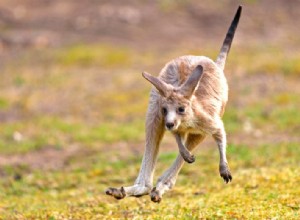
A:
x: 212, y: 91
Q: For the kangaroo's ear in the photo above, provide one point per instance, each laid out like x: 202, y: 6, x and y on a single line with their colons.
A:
x: 163, y: 88
x: 189, y: 86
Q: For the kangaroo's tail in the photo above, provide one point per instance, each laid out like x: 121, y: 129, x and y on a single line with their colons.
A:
x: 228, y: 40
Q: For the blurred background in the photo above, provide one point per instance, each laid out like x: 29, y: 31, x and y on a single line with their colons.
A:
x: 73, y: 105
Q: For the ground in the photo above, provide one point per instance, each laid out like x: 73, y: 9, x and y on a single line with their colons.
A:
x: 73, y: 104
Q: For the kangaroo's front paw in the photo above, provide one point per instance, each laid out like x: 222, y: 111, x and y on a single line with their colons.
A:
x: 116, y: 193
x: 189, y: 158
x: 154, y: 194
x: 225, y: 173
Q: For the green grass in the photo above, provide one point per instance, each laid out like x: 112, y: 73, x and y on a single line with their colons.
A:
x: 103, y: 55
x: 41, y: 132
x: 93, y: 97
x: 279, y: 115
x: 264, y: 186
x: 4, y: 103
x: 263, y: 59
x: 112, y: 132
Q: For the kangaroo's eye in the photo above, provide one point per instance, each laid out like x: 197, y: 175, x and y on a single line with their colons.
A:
x: 181, y: 110
x: 164, y: 111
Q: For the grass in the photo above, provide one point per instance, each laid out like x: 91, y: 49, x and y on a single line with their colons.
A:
x: 3, y: 103
x: 92, y: 96
x: 42, y: 132
x: 102, y: 55
x: 267, y: 59
x: 264, y: 186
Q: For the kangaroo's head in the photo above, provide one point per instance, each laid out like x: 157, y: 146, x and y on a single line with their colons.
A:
x: 176, y: 102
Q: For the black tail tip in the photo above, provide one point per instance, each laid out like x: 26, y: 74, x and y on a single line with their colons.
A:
x: 238, y: 14
x: 240, y: 9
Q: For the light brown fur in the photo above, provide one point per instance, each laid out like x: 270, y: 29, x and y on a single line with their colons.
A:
x: 188, y: 99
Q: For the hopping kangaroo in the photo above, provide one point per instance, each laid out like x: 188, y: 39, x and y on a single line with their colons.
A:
x: 188, y: 99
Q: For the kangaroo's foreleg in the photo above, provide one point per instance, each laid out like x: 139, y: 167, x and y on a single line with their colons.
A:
x: 184, y: 152
x: 154, y: 134
x: 168, y: 179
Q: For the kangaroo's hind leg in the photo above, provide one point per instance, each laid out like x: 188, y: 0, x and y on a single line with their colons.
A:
x: 154, y: 134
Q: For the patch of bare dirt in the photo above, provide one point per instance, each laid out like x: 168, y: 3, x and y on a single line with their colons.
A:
x: 143, y: 24
x: 47, y: 158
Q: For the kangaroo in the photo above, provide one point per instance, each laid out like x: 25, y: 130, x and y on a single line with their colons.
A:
x: 188, y: 99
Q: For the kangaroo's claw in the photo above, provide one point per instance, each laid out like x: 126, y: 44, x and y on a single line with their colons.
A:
x: 116, y: 193
x: 155, y: 197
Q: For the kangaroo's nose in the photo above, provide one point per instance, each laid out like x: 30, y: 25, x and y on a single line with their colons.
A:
x: 170, y: 125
